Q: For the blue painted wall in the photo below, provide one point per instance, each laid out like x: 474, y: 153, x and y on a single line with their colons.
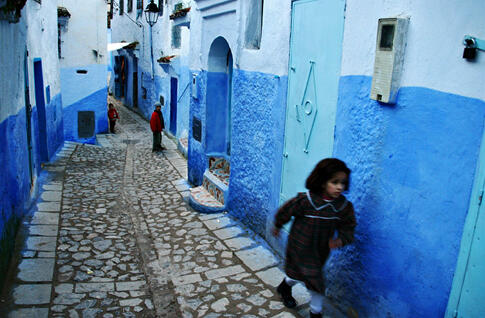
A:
x: 413, y: 168
x: 258, y: 119
x: 196, y: 159
x: 84, y: 92
x: 95, y: 102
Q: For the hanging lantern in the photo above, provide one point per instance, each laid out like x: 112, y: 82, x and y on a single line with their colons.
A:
x: 151, y: 13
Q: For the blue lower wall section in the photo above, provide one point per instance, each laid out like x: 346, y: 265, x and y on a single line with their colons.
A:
x: 413, y: 168
x: 55, y: 125
x: 95, y: 102
x: 16, y: 191
x: 258, y: 119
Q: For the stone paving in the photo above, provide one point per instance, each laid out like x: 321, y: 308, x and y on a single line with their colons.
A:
x: 112, y: 236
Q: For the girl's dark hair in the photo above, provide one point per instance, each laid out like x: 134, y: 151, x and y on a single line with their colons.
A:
x: 324, y: 171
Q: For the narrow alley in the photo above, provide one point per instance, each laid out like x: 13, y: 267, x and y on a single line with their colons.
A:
x: 112, y: 236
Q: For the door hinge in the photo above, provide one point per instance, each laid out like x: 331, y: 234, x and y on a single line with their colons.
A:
x: 455, y: 314
x: 480, y: 197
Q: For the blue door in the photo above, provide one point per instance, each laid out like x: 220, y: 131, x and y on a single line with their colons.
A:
x: 173, y: 105
x: 313, y: 75
x: 40, y: 103
x: 468, y: 291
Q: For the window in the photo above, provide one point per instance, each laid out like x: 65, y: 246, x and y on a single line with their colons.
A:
x: 129, y: 7
x: 139, y: 8
x: 122, y: 6
x: 254, y: 24
x: 176, y: 37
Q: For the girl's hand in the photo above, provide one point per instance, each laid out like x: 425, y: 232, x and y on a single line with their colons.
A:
x: 276, y: 231
x: 335, y: 243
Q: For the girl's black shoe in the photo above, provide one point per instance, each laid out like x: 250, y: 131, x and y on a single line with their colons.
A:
x: 312, y: 315
x: 285, y: 292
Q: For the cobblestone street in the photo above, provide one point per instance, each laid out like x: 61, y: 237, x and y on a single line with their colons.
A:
x: 112, y: 236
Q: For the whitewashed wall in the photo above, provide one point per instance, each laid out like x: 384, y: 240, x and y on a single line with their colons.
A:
x: 228, y: 19
x: 39, y: 39
x: 85, y: 33
x: 435, y: 38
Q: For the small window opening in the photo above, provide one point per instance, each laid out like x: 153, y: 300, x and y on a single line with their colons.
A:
x: 254, y: 24
x: 176, y: 37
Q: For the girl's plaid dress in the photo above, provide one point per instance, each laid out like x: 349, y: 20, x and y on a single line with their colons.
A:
x: 315, y: 222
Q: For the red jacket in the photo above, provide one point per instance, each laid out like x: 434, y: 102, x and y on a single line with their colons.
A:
x: 156, y: 122
x: 112, y: 114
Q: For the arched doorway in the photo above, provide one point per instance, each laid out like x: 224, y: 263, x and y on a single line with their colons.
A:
x: 218, y: 100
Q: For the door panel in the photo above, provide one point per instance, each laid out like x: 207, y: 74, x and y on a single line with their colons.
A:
x: 314, y: 70
x: 466, y: 297
x: 173, y: 105
x: 40, y: 103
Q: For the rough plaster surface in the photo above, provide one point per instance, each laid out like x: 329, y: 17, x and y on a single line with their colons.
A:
x: 410, y: 187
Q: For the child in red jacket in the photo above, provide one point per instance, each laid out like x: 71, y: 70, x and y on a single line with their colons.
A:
x: 112, y: 116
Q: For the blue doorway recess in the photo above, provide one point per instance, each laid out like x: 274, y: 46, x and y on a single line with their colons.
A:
x: 41, y: 115
x: 173, y: 105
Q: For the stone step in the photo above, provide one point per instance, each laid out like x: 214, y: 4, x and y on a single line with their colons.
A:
x: 215, y: 186
x: 220, y: 168
x: 201, y: 200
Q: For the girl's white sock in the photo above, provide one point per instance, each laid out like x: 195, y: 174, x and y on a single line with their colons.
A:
x: 290, y: 281
x: 316, y: 303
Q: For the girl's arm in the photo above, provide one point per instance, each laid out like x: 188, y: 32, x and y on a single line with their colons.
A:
x: 346, y: 226
x: 287, y: 210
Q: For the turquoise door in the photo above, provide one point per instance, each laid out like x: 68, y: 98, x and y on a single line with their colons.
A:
x: 313, y: 75
x: 468, y: 291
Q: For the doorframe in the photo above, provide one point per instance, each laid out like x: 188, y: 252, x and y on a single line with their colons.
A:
x: 28, y: 115
x: 468, y: 233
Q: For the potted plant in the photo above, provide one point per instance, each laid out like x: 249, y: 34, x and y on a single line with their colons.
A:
x: 179, y: 11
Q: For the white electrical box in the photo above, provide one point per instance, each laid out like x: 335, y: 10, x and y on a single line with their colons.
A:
x: 195, y: 86
x: 390, y: 47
